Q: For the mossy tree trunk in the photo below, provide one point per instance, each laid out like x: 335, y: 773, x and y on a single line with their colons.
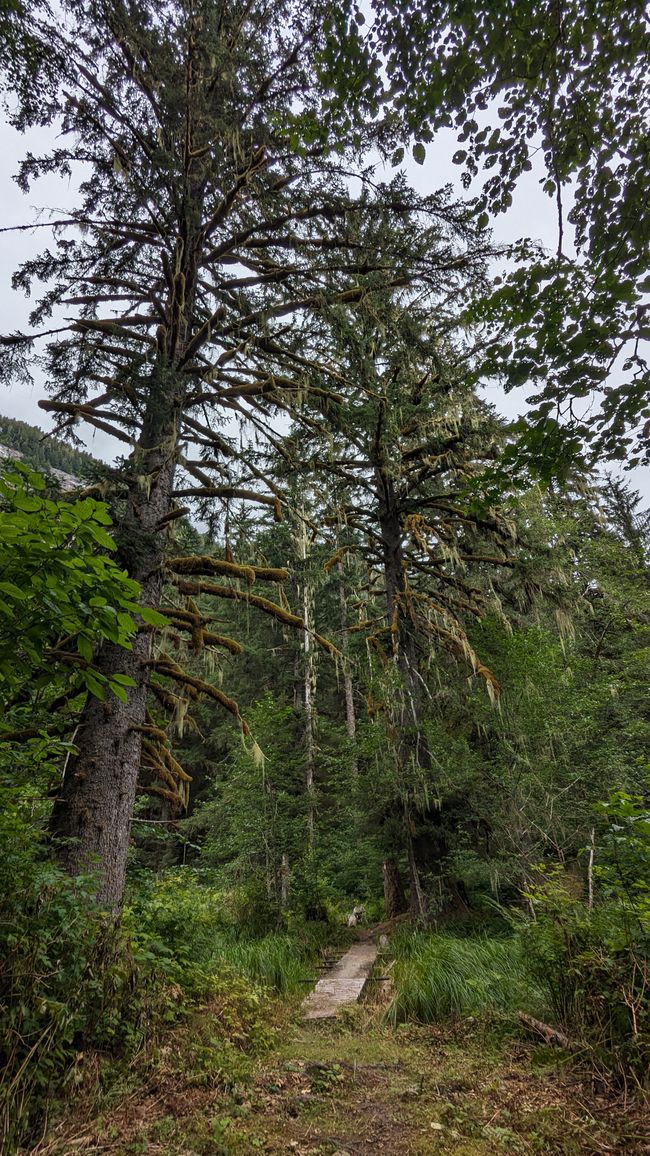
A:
x: 394, y: 894
x: 92, y: 814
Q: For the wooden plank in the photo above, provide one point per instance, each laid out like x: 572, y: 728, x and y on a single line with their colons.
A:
x: 342, y: 985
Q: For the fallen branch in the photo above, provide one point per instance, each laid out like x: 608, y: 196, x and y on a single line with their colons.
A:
x: 549, y: 1034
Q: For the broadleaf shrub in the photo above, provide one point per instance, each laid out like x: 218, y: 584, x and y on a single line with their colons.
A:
x: 594, y: 962
x: 66, y: 981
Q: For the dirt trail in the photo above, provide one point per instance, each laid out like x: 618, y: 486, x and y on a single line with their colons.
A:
x: 359, y: 1089
x: 353, y: 1086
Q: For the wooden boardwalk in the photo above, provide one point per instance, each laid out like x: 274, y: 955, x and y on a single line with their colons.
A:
x: 342, y: 985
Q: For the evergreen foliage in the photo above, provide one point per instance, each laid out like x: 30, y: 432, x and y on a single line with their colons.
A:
x: 519, y: 85
x: 42, y: 452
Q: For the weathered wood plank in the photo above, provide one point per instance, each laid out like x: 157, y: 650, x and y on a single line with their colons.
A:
x: 343, y: 984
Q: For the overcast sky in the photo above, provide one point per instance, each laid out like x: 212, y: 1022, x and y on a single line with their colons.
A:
x: 532, y: 214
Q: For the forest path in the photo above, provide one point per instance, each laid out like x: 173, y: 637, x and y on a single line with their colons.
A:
x: 343, y: 984
x: 354, y: 1087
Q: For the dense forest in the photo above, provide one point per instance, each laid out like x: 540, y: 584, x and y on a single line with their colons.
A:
x: 331, y: 653
x: 43, y: 452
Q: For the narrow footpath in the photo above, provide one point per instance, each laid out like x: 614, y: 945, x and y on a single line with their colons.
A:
x: 333, y: 1079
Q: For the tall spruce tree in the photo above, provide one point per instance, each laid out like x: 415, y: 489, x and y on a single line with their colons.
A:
x: 558, y: 90
x: 412, y: 452
x: 183, y: 282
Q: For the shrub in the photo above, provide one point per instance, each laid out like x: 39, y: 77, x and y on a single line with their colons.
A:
x: 69, y: 980
x: 73, y: 981
x: 182, y: 919
x: 594, y: 964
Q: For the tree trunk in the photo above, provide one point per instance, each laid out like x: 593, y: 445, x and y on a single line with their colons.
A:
x: 394, y: 895
x: 348, y: 689
x: 411, y: 744
x: 309, y: 684
x: 417, y: 903
x: 92, y: 814
x: 285, y: 873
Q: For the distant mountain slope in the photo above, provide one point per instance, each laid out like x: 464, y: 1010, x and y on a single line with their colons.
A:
x: 43, y: 452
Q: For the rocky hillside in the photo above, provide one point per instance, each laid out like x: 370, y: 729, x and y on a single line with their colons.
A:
x: 23, y: 442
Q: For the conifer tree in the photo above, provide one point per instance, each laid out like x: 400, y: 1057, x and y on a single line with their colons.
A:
x: 413, y: 451
x: 182, y: 287
x: 557, y: 92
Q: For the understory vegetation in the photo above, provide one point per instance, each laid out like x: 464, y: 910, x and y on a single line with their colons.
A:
x: 438, y: 977
x: 86, y: 1001
x: 525, y: 877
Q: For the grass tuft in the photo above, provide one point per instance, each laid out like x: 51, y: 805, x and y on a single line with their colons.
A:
x: 437, y: 977
x: 276, y: 961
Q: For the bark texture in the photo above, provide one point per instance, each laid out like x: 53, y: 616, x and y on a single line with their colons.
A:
x: 92, y: 814
x: 348, y: 689
x: 394, y: 894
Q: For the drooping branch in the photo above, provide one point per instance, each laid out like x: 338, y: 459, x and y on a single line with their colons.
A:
x: 263, y: 604
x: 166, y: 666
x: 203, y: 564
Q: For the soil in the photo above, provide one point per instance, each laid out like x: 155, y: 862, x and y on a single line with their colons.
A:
x: 353, y: 1086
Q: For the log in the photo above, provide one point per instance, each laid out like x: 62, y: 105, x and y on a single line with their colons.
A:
x: 549, y: 1034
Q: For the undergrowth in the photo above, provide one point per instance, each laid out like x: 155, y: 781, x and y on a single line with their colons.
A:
x: 194, y: 924
x: 73, y: 983
x: 592, y: 958
x: 440, y: 976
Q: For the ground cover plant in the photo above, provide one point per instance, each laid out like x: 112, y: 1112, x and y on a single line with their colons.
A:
x: 440, y: 976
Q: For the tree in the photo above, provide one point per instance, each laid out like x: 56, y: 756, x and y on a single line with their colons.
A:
x: 30, y: 64
x: 410, y: 454
x: 567, y: 83
x: 61, y: 594
x: 202, y: 243
x: 45, y: 454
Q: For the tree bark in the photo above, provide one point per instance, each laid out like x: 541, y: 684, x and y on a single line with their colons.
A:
x: 92, y: 815
x: 348, y: 688
x: 394, y: 895
x: 411, y: 746
x: 309, y: 684
x: 417, y: 902
x: 285, y: 874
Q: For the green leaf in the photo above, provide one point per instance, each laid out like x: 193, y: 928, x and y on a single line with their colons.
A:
x: 14, y: 591
x: 101, y: 514
x: 152, y: 617
x: 119, y: 691
x: 92, y: 682
x: 101, y: 537
x: 419, y: 153
x: 84, y: 646
x: 27, y: 504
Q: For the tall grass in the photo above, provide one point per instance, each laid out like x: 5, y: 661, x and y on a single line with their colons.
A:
x: 188, y: 926
x: 278, y: 961
x: 438, y: 977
